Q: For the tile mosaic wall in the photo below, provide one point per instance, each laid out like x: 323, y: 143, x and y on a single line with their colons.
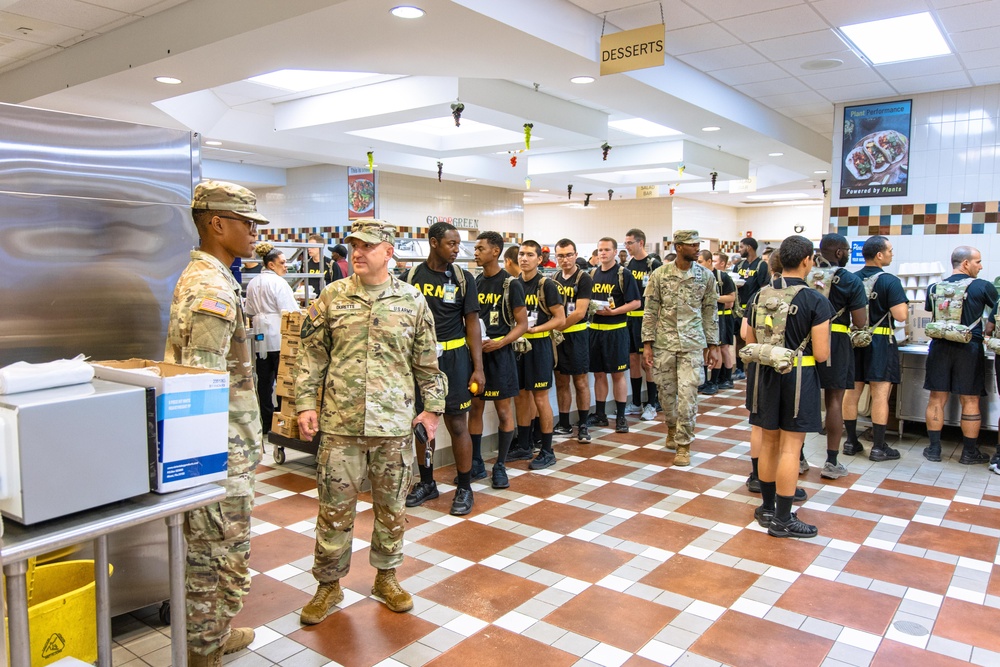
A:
x: 979, y: 217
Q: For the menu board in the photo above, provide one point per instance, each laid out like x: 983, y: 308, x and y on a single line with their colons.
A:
x: 361, y: 193
x: 876, y: 150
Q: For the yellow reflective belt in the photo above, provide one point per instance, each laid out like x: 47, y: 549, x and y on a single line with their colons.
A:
x: 581, y: 326
x: 608, y: 327
x: 544, y: 334
x: 885, y: 331
x: 635, y: 313
x: 725, y: 312
x: 806, y: 361
x: 839, y: 328
x: 452, y: 344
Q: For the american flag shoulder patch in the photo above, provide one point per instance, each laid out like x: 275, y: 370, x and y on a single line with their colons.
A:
x: 214, y: 307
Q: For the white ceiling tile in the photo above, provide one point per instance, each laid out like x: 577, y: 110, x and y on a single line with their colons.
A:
x: 971, y: 17
x: 795, y: 66
x: 729, y: 56
x: 821, y: 122
x: 776, y: 23
x: 865, y: 91
x: 737, y: 75
x: 800, y: 45
x: 922, y: 67
x: 126, y: 6
x: 807, y: 109
x: 70, y: 13
x: 840, y: 77
x: 940, y: 4
x: 985, y: 76
x: 774, y: 87
x: 161, y: 6
x: 974, y: 40
x: 840, y: 13
x: 627, y: 15
x: 698, y: 38
x: 725, y: 9
x: 923, y: 84
x: 40, y: 32
x: 981, y: 59
x: 789, y: 99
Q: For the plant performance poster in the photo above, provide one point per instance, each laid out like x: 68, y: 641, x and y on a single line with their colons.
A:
x: 876, y: 150
x: 361, y: 193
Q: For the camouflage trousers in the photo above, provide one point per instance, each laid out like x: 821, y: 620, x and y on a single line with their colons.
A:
x: 342, y: 463
x: 217, y: 576
x: 677, y: 376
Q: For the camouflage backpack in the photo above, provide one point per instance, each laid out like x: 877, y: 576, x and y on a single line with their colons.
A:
x: 823, y: 278
x: 947, y: 301
x: 557, y: 336
x: 863, y: 337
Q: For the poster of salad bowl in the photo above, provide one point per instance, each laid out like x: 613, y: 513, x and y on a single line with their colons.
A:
x: 876, y: 150
x: 361, y: 193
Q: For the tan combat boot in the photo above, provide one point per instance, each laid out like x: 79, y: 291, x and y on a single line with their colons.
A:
x: 239, y: 639
x: 671, y: 432
x: 213, y: 659
x: 321, y: 606
x: 387, y: 588
x: 683, y: 456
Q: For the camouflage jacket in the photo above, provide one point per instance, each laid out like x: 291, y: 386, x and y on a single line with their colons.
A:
x: 208, y: 330
x: 366, y: 355
x: 681, y: 313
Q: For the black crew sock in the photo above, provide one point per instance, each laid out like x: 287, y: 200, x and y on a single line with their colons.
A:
x: 652, y: 393
x: 727, y: 374
x: 753, y: 467
x: 503, y: 446
x: 637, y: 391
x: 535, y: 428
x: 783, y: 508
x: 620, y: 409
x: 935, y: 439
x: 564, y: 419
x: 705, y: 373
x: 465, y: 480
x: 600, y: 409
x: 716, y: 375
x: 878, y: 435
x: 851, y: 426
x: 426, y: 474
x: 546, y: 442
x: 739, y: 362
x: 831, y: 456
x: 969, y: 444
x: 477, y: 447
x: 582, y: 415
x: 524, y: 437
x: 802, y: 452
x: 768, y: 490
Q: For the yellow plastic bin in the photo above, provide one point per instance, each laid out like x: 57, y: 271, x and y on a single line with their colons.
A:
x: 62, y: 612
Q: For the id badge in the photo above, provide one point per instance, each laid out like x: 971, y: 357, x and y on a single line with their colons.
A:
x: 570, y: 307
x: 494, y: 318
x: 440, y: 349
x: 449, y: 292
x: 532, y: 319
x: 611, y: 302
x: 645, y: 281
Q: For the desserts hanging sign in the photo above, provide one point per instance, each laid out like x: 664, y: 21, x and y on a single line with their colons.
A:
x: 633, y: 49
x: 876, y: 150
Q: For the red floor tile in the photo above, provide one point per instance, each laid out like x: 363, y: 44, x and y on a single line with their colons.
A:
x: 727, y: 465
x: 917, y: 489
x: 838, y: 603
x: 636, y: 620
x: 625, y: 497
x: 279, y: 547
x: 901, y: 569
x: 637, y: 438
x: 969, y: 623
x: 557, y: 517
x: 471, y: 540
x: 657, y: 457
x: 269, y: 599
x: 578, y: 559
x: 539, y: 486
x: 877, y: 504
x: 598, y: 470
x: 718, y: 509
x: 684, y: 480
x: 702, y: 580
x: 840, y: 527
x: 483, y: 592
x: 950, y: 541
x: 291, y: 482
x: 585, y: 449
x: 496, y: 647
x: 286, y: 511
x: 974, y: 515
x: 660, y: 533
x: 893, y: 654
x: 745, y: 641
x: 789, y: 554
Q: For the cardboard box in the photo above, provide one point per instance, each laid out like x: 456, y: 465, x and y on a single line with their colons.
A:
x: 285, y: 387
x: 289, y: 347
x: 285, y: 425
x: 286, y: 366
x: 291, y: 322
x: 917, y: 322
x: 192, y: 419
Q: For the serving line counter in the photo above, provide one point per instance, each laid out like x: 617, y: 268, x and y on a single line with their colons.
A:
x: 913, y: 397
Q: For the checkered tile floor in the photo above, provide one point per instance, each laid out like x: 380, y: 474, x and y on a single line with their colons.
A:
x: 613, y: 557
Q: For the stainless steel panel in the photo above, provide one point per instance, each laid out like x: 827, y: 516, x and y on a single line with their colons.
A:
x: 48, y: 152
x: 913, y: 397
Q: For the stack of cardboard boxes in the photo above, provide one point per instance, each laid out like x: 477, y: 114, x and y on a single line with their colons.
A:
x: 286, y: 422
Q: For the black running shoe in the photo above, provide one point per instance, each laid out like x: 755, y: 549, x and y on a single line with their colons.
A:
x: 739, y: 375
x: 597, y: 420
x: 462, y: 504
x: 519, y: 454
x: 973, y: 457
x: 852, y: 448
x: 421, y: 492
x: 932, y: 454
x: 708, y: 389
x: 621, y: 425
x: 500, y: 480
x: 763, y: 516
x: 582, y: 433
x: 543, y: 460
x: 791, y: 528
x: 887, y: 454
x: 728, y: 384
x: 753, y: 484
x: 800, y: 495
x: 562, y: 430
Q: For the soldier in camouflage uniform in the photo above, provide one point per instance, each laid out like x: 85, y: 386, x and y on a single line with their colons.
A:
x: 207, y: 330
x: 368, y: 340
x: 680, y: 333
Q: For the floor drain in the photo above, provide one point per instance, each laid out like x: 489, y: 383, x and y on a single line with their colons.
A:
x: 911, y: 628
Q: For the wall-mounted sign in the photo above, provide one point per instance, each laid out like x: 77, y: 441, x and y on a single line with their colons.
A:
x: 459, y: 223
x: 740, y: 186
x: 362, y: 193
x: 647, y: 191
x: 633, y: 49
x: 856, y: 255
x: 876, y: 142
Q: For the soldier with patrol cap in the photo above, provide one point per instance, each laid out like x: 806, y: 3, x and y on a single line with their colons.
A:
x: 369, y: 340
x: 680, y: 332
x: 207, y: 330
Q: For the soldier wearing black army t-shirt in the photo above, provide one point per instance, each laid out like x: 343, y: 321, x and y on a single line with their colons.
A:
x: 755, y: 275
x: 642, y: 266
x: 453, y: 300
x: 575, y: 286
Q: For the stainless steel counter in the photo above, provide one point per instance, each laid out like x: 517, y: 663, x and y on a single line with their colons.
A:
x: 913, y: 397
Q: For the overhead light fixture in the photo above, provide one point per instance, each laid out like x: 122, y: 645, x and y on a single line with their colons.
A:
x: 775, y: 154
x: 582, y: 79
x: 820, y: 171
x: 407, y: 12
x: 213, y: 143
x: 543, y: 190
x: 711, y: 128
x: 897, y: 39
x: 169, y: 80
x: 300, y: 80
x: 642, y: 127
x: 821, y: 64
x: 470, y: 180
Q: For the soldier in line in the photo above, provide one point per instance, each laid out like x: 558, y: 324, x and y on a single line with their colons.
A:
x: 207, y: 331
x: 370, y: 341
x: 754, y: 272
x: 727, y: 321
x: 575, y: 286
x: 680, y: 332
x: 956, y: 365
x: 642, y: 266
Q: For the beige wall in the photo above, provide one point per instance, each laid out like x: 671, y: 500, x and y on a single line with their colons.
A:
x: 547, y: 223
x: 774, y: 223
x: 713, y: 221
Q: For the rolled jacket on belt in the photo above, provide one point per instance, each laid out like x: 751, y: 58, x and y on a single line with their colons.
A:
x: 781, y: 359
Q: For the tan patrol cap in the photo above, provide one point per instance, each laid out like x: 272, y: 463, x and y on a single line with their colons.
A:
x: 686, y: 236
x: 373, y: 231
x: 223, y: 196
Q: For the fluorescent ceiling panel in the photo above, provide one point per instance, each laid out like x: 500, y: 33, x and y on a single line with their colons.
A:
x: 299, y: 80
x: 643, y: 128
x: 441, y: 134
x: 897, y: 39
x: 640, y: 176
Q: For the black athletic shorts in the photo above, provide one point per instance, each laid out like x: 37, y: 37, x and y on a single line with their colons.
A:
x: 500, y: 369
x: 749, y: 369
x: 838, y: 371
x: 634, y: 334
x: 957, y: 368
x: 879, y: 362
x: 534, y: 368
x: 776, y: 401
x: 726, y: 329
x: 609, y: 350
x: 457, y: 366
x: 574, y: 353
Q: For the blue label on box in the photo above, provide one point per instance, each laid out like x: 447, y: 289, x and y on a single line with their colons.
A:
x: 191, y: 403
x: 856, y: 256
x: 203, y: 465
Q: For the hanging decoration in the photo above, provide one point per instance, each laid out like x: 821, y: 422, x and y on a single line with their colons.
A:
x: 527, y: 135
x: 715, y: 176
x: 673, y: 189
x: 527, y: 182
x: 456, y: 111
x: 440, y: 169
x: 605, y: 149
x: 371, y: 161
x: 823, y: 183
x: 513, y: 160
x: 586, y: 201
x: 569, y: 191
x: 680, y: 169
x: 611, y: 193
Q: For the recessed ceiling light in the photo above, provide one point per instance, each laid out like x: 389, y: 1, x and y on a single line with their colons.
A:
x: 407, y: 12
x: 711, y: 128
x: 213, y: 143
x: 897, y: 39
x: 822, y: 64
x: 470, y: 180
x: 778, y: 195
x: 299, y: 80
x: 820, y: 171
x: 169, y: 80
x: 775, y: 154
x: 582, y: 79
x: 543, y: 190
x: 642, y: 127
